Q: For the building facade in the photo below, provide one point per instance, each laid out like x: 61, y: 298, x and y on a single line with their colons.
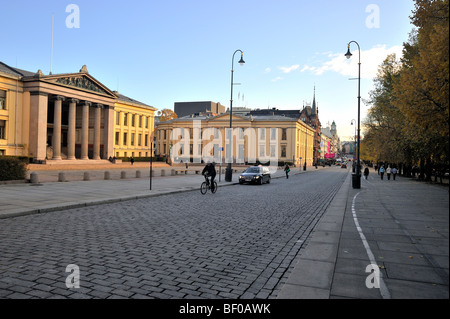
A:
x: 254, y: 139
x: 134, y: 124
x: 188, y: 108
x: 52, y: 118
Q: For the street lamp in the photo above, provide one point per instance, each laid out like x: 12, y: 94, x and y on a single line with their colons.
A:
x: 356, y: 181
x: 229, y: 171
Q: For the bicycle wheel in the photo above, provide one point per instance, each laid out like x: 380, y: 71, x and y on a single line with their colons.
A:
x: 203, y: 188
x: 215, y: 188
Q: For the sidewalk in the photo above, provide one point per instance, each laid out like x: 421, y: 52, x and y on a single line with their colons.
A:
x: 403, y: 230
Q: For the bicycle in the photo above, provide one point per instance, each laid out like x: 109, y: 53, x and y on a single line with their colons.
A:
x: 207, y: 185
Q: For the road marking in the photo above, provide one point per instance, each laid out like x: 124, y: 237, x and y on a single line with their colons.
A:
x: 383, y: 288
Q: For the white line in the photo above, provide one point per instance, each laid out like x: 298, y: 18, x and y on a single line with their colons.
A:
x: 383, y: 288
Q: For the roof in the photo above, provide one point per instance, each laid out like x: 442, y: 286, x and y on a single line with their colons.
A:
x: 127, y: 99
x: 14, y: 71
x: 4, y: 68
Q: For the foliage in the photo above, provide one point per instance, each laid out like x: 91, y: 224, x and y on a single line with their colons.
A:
x: 409, y: 114
x: 166, y: 115
x: 12, y: 168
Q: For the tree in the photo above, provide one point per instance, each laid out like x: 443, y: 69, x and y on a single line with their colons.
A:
x: 409, y: 114
x: 166, y: 115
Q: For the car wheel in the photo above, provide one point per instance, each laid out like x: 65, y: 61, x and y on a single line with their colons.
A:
x: 268, y: 181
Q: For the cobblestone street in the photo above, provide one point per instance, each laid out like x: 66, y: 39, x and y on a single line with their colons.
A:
x: 238, y: 243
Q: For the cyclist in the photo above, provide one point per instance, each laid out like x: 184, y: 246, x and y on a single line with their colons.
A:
x: 210, y: 170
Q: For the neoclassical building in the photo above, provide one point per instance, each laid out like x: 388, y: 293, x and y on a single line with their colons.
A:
x: 254, y: 138
x: 66, y: 117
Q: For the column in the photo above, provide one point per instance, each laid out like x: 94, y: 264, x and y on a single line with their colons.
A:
x: 56, y: 142
x: 38, y: 125
x: 72, y: 128
x: 85, y: 131
x: 97, y: 124
x: 108, y: 131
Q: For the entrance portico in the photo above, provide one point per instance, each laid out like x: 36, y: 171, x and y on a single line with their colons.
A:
x: 71, y: 117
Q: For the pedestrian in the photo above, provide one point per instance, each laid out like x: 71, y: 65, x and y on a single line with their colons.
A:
x: 381, y: 171
x: 388, y: 172
x: 287, y: 170
x: 366, y: 172
x: 394, y: 173
x: 132, y: 160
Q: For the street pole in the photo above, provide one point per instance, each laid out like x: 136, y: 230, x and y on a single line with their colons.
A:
x: 357, y: 179
x: 229, y: 171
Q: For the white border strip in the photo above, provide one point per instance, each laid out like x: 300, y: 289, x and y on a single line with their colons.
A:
x: 383, y: 288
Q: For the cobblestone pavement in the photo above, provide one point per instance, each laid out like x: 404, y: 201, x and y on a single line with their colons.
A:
x: 238, y: 243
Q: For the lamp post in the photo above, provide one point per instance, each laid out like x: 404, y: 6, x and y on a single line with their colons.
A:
x: 229, y: 171
x: 356, y: 180
x: 354, y: 147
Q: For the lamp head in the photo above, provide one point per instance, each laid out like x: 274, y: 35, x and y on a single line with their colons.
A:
x: 241, y: 61
x: 348, y: 55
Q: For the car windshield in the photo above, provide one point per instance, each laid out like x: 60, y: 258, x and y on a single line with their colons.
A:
x: 252, y: 170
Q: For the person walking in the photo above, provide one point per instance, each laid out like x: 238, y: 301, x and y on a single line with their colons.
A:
x: 381, y: 171
x: 287, y: 170
x: 366, y: 172
x: 394, y: 173
x: 388, y: 172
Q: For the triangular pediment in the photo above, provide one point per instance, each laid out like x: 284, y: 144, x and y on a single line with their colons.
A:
x: 226, y: 117
x: 81, y: 81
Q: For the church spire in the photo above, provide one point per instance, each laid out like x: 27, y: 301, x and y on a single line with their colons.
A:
x: 314, y: 108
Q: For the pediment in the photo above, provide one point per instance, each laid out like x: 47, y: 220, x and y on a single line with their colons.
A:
x: 81, y: 81
x: 226, y: 117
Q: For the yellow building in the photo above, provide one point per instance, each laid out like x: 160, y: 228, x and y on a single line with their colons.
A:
x: 254, y: 139
x: 134, y: 125
x: 61, y: 118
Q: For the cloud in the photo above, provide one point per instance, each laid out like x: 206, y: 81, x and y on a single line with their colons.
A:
x: 278, y: 78
x: 289, y: 69
x: 370, y: 61
x: 267, y: 70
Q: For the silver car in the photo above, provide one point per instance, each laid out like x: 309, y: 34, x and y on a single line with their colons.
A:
x: 255, y: 175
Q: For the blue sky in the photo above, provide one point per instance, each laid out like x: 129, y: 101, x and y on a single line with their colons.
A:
x: 161, y: 52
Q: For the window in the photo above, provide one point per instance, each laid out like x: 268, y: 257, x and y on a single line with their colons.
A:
x: 140, y: 140
x: 132, y: 139
x: 140, y: 120
x: 125, y: 119
x: 117, y: 118
x: 283, y: 150
x: 147, y: 119
x: 146, y: 139
x: 273, y: 134
x: 133, y: 120
x: 2, y: 130
x: 2, y: 100
x: 284, y: 134
x: 125, y: 139
x: 117, y: 138
x: 262, y: 134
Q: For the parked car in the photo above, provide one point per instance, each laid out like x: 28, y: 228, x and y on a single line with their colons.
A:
x: 255, y: 175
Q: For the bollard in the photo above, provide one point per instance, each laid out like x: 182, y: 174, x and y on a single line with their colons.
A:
x: 173, y: 172
x: 123, y: 175
x: 138, y: 174
x: 107, y: 175
x: 34, y: 178
x: 163, y: 172
x: 61, y: 177
x: 86, y: 176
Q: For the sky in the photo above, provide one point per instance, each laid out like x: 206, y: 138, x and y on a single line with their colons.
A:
x: 162, y: 52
